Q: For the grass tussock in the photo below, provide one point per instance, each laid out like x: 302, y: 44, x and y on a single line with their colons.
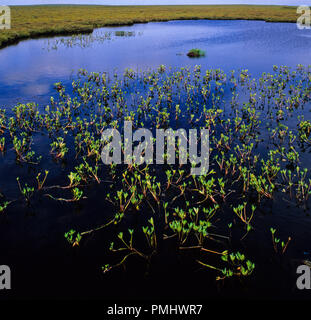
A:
x: 196, y: 53
x: 36, y: 21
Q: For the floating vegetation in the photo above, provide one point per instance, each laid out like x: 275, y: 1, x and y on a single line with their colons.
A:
x: 196, y: 53
x: 86, y: 40
x: 125, y: 34
x: 79, y: 40
x: 259, y: 144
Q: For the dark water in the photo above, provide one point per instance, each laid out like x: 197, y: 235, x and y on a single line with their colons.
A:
x: 32, y: 242
x: 29, y: 69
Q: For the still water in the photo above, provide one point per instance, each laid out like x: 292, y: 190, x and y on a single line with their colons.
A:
x: 29, y: 69
x: 32, y: 241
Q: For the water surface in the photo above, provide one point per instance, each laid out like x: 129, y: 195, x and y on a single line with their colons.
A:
x: 29, y: 69
x: 31, y: 239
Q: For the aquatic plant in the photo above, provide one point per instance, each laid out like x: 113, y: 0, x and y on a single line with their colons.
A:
x: 196, y: 53
x: 276, y: 241
x: 258, y: 161
x: 25, y: 190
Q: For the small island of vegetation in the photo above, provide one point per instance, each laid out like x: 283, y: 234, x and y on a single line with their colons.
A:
x: 196, y: 53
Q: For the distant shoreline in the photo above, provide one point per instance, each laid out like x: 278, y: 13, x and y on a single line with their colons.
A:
x: 33, y: 21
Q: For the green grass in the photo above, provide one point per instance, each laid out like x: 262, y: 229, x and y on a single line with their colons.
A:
x: 36, y: 21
